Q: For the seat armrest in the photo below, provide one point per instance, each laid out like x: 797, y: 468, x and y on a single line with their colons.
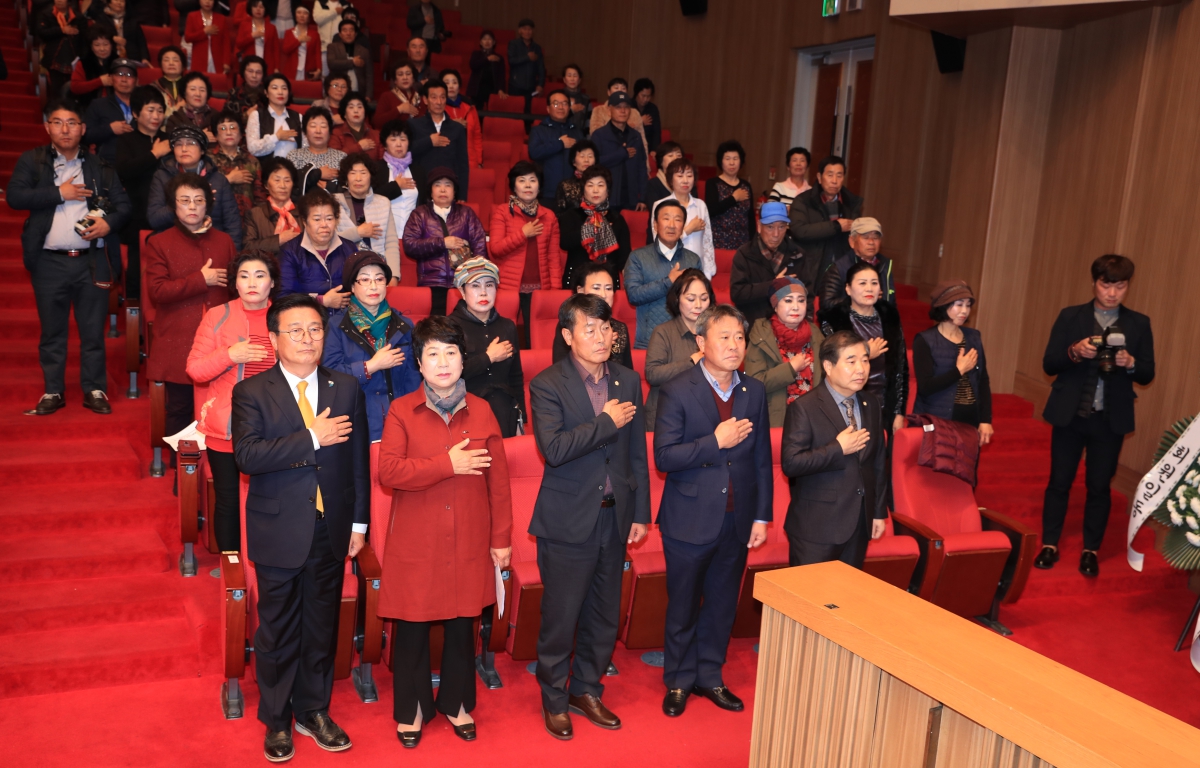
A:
x: 1024, y: 549
x: 933, y: 553
x: 187, y: 477
x: 237, y: 602
x: 369, y: 574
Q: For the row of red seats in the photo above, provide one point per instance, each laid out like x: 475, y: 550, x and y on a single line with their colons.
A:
x: 970, y: 561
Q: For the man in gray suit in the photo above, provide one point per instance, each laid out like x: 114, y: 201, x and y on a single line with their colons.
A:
x: 594, y: 498
x: 833, y: 451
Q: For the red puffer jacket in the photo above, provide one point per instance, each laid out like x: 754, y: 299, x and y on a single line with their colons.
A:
x: 508, y: 245
x: 947, y: 446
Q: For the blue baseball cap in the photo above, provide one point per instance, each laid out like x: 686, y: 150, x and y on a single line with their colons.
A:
x: 773, y: 212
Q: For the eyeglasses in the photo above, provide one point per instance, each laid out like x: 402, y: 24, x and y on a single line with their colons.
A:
x: 338, y: 86
x: 228, y: 128
x: 367, y: 281
x: 60, y: 124
x: 316, y: 333
x: 559, y: 103
x: 189, y: 202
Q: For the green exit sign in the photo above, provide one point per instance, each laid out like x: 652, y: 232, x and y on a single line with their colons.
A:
x: 830, y: 7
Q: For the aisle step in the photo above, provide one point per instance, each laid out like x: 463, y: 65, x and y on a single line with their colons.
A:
x: 96, y: 657
x: 28, y: 559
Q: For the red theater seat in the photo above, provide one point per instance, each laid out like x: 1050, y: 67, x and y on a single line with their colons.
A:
x: 498, y: 103
x: 637, y: 221
x: 504, y: 129
x: 141, y: 316
x: 239, y: 620
x: 503, y: 153
x: 307, y: 89
x: 534, y: 361
x: 973, y: 559
x: 724, y: 259
x: 544, y: 309
x: 648, y: 593
x: 413, y: 303
x: 524, y: 594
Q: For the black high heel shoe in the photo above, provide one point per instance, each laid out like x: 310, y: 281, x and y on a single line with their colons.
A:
x: 466, y: 732
x: 409, y: 739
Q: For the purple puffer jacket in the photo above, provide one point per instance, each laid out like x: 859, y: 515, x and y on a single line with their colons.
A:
x: 424, y: 240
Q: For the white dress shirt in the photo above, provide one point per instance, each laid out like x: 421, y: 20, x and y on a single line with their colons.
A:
x: 700, y: 242
x: 310, y: 394
x: 62, y: 235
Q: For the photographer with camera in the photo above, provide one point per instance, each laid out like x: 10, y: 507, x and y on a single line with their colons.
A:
x: 77, y: 206
x: 1097, y: 351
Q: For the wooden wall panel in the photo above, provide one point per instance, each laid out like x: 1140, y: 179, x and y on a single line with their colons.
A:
x: 1162, y: 223
x: 1028, y: 96
x: 963, y: 743
x: 1083, y: 182
x: 914, y: 109
x: 973, y: 167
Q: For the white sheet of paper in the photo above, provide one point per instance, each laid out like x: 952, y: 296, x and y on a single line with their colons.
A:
x: 187, y: 433
x: 499, y: 591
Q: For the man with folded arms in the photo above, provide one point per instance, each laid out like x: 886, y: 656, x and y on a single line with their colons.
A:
x: 833, y: 448
x: 712, y: 436
x: 594, y: 499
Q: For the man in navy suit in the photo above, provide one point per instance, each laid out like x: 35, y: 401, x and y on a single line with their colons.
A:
x: 438, y: 141
x: 712, y: 437
x: 300, y: 432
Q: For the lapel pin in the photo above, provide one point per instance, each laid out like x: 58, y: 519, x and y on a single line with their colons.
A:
x: 617, y: 383
x: 743, y: 389
x: 330, y: 384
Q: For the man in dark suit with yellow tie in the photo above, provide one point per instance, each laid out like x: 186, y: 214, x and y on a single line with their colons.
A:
x: 300, y: 433
x: 833, y: 452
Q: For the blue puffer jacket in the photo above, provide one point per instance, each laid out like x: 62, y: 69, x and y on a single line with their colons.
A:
x: 300, y: 271
x: 347, y: 350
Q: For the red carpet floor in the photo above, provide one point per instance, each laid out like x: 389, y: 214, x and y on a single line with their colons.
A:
x: 108, y: 657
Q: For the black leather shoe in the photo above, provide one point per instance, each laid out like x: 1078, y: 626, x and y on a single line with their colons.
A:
x: 466, y: 732
x: 1046, y: 558
x: 675, y: 702
x: 409, y: 739
x: 278, y: 746
x: 324, y: 731
x: 722, y: 697
x: 97, y: 401
x: 48, y: 405
x: 1089, y: 564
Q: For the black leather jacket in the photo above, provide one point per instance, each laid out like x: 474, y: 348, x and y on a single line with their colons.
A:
x: 895, y: 360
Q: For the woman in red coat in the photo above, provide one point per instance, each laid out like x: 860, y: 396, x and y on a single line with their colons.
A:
x: 451, y: 527
x: 185, y: 277
x: 205, y: 30
x: 301, y: 47
x: 256, y: 36
x: 523, y: 240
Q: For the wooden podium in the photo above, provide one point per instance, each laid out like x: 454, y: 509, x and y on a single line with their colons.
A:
x: 854, y: 672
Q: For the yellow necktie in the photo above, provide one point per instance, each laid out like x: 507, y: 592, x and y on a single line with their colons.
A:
x: 306, y: 413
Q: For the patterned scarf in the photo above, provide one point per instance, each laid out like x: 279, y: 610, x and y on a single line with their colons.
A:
x: 598, y: 238
x: 398, y: 164
x: 64, y: 19
x: 792, y: 343
x: 445, y: 405
x: 529, y: 209
x: 374, y: 328
x: 286, y: 221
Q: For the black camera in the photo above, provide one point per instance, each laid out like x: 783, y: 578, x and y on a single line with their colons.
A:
x: 1107, y: 345
x: 98, y: 210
